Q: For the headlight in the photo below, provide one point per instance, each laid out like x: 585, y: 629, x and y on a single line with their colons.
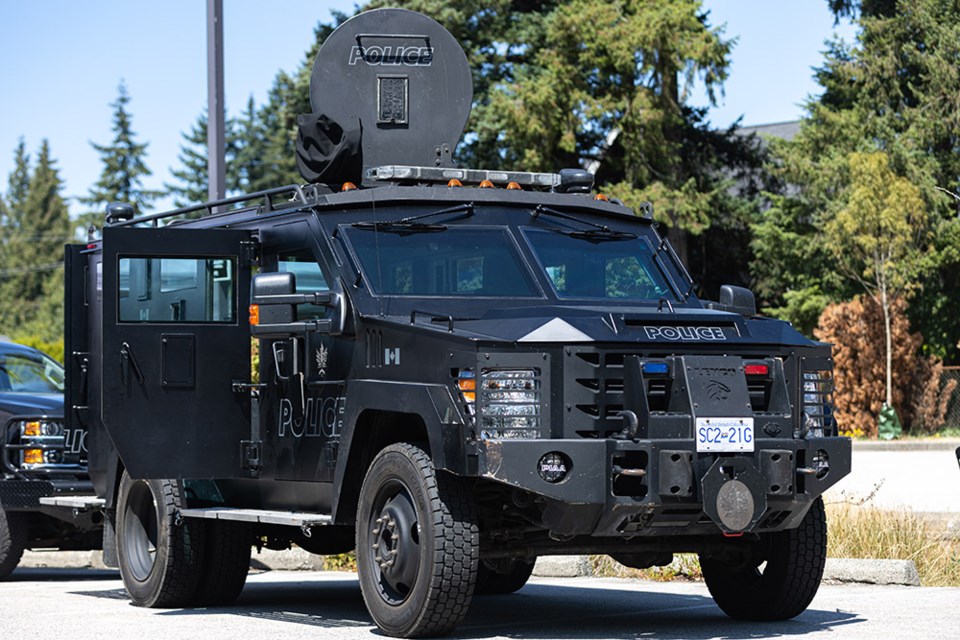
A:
x: 817, y: 404
x: 42, y: 434
x: 41, y: 428
x: 508, y: 401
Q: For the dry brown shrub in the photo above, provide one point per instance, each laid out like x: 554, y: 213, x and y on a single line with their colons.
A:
x: 855, y: 329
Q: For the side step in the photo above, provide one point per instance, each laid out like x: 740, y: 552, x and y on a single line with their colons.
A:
x: 74, y: 502
x: 289, y: 518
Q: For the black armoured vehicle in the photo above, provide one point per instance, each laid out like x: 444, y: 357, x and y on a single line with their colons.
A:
x: 459, y: 371
x: 39, y: 460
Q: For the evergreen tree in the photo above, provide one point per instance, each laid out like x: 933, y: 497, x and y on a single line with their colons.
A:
x: 124, y: 165
x: 32, y: 272
x: 192, y: 174
x: 893, y: 91
x: 581, y: 82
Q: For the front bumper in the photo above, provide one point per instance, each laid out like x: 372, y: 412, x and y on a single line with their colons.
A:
x: 664, y: 487
x: 24, y: 495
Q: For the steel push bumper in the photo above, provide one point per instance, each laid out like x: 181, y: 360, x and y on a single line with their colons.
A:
x: 653, y: 487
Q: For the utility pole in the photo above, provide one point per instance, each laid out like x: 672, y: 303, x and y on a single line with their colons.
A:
x: 216, y: 143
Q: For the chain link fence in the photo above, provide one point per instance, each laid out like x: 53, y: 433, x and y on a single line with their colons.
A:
x: 952, y: 419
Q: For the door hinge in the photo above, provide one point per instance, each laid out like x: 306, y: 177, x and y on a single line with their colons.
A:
x: 250, y: 252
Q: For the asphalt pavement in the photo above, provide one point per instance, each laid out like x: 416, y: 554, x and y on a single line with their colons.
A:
x: 90, y: 604
x: 917, y: 475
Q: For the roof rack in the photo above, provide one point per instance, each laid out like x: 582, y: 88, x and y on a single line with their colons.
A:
x: 269, y: 204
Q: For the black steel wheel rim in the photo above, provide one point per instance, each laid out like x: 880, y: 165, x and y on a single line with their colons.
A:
x: 393, y: 538
x: 141, y: 526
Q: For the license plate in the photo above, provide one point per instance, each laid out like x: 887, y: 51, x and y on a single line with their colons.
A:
x: 724, y: 434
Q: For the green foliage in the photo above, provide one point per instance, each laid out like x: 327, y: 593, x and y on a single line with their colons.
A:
x: 33, y: 229
x: 191, y: 174
x: 893, y: 91
x: 880, y: 235
x: 124, y: 165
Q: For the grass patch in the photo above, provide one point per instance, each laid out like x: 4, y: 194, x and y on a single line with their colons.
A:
x: 685, y: 566
x: 862, y: 531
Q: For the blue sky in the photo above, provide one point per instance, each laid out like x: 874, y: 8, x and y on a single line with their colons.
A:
x: 61, y: 62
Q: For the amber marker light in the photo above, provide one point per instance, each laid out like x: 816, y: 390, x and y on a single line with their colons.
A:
x: 601, y: 197
x: 454, y: 183
x: 348, y: 186
x: 514, y: 186
x: 468, y: 386
x: 486, y: 184
x: 31, y: 429
x: 254, y: 315
x: 33, y: 456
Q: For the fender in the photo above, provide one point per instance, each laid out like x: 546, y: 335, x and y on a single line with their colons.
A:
x: 433, y: 403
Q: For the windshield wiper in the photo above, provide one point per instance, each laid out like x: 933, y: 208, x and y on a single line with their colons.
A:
x: 596, y: 232
x: 411, y: 224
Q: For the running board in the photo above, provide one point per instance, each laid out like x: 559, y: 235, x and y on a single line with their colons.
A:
x: 287, y: 518
x: 74, y: 502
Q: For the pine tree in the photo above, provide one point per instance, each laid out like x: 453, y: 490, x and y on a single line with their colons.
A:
x: 124, y: 165
x: 893, y: 91
x: 32, y: 272
x: 192, y: 174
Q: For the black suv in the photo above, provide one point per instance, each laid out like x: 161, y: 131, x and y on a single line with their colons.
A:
x: 40, y: 459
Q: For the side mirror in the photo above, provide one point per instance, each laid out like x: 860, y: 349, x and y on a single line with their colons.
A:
x: 735, y: 300
x: 273, y: 308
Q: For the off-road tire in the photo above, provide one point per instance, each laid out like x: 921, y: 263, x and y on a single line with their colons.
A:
x: 13, y: 540
x: 226, y: 563
x: 500, y: 577
x: 787, y: 584
x: 429, y: 518
x: 147, y: 516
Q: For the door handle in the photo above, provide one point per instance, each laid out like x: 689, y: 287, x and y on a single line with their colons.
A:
x: 129, y: 361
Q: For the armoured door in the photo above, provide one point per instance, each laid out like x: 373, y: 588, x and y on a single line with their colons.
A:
x: 176, y: 338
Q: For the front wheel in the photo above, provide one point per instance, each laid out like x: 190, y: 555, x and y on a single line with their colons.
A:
x: 13, y: 540
x: 159, y: 556
x: 417, y: 544
x: 786, y: 584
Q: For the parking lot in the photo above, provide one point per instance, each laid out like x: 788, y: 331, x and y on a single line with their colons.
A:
x: 90, y: 604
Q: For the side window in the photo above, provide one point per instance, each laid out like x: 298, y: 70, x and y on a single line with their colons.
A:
x: 309, y: 280
x: 175, y: 290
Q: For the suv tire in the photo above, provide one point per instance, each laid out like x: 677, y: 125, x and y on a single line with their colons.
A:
x: 13, y: 540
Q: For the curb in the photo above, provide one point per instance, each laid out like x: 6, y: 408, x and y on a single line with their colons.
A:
x: 881, y: 572
x: 901, y: 572
x: 939, y: 444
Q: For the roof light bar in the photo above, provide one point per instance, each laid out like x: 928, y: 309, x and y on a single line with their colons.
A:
x: 442, y: 175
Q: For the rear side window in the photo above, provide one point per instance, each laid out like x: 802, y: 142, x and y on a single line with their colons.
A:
x: 167, y: 290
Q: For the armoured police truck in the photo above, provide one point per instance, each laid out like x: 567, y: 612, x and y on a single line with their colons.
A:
x: 459, y: 371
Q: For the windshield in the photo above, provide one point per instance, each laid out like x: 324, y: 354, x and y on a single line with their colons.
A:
x: 603, y: 266
x: 446, y: 262
x: 30, y: 373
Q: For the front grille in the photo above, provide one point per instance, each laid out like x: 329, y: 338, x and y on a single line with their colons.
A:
x: 594, y: 389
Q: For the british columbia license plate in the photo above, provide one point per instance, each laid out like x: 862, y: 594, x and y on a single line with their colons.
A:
x: 724, y: 434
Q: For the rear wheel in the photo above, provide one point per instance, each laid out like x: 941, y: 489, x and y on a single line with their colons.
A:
x: 502, y: 576
x: 417, y: 544
x: 785, y: 585
x: 159, y: 557
x: 13, y: 540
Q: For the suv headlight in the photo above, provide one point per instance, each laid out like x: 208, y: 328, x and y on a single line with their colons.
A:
x: 817, y: 404
x: 506, y: 402
x: 42, y: 434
